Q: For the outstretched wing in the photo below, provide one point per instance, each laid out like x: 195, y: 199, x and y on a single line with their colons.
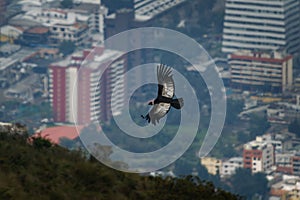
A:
x: 158, y: 111
x: 166, y: 86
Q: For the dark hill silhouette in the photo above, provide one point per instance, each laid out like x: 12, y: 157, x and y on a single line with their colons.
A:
x: 41, y: 170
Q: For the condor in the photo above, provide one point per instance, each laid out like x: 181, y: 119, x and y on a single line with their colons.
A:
x: 164, y: 100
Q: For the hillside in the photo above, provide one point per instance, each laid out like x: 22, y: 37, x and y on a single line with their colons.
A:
x: 42, y: 171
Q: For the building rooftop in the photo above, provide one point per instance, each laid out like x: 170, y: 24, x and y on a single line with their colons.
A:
x: 22, y: 20
x: 288, y: 183
x: 30, y: 2
x: 93, y: 2
x: 272, y: 56
x: 90, y: 7
x: 6, y: 62
x: 57, y: 11
x: 256, y: 145
x: 9, y: 48
x: 49, y: 50
x: 103, y: 59
x: 80, y: 26
x: 62, y: 63
x: 235, y: 160
x: 38, y: 30
x: 18, y: 56
x: 23, y: 85
x: 87, y: 59
x: 54, y: 134
x: 11, y: 31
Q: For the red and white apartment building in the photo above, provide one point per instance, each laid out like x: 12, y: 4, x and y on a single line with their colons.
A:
x: 259, y: 155
x: 77, y: 94
x: 264, y: 70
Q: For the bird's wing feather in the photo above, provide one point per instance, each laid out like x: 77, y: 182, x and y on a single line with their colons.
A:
x: 158, y: 111
x: 166, y: 86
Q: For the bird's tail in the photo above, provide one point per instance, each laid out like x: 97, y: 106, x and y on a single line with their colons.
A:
x: 177, y: 103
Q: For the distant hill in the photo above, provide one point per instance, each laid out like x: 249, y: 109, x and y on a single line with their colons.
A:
x: 41, y: 170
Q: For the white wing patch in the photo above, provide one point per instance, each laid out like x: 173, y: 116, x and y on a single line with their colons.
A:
x: 158, y: 111
x: 168, y: 90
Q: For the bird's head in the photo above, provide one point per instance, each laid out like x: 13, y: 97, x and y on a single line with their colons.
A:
x: 151, y: 102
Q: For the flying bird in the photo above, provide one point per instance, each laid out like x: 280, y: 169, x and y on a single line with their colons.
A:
x: 164, y: 100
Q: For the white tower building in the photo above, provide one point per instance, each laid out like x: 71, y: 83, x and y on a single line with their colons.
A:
x: 261, y: 25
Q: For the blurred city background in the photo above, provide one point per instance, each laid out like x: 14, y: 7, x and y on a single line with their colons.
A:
x: 255, y: 45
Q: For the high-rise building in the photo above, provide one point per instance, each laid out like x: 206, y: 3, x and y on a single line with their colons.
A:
x: 80, y: 95
x: 261, y: 25
x: 271, y: 71
x: 258, y: 155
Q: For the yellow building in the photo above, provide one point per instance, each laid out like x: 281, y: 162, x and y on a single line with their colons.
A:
x: 10, y: 33
x: 213, y: 165
x: 266, y: 99
x: 295, y: 193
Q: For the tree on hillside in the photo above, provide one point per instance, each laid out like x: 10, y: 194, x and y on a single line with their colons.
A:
x: 234, y: 107
x: 258, y: 125
x: 48, y: 171
x: 244, y: 183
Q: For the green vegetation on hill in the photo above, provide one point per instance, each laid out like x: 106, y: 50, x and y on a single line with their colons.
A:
x: 256, y: 184
x: 43, y: 171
